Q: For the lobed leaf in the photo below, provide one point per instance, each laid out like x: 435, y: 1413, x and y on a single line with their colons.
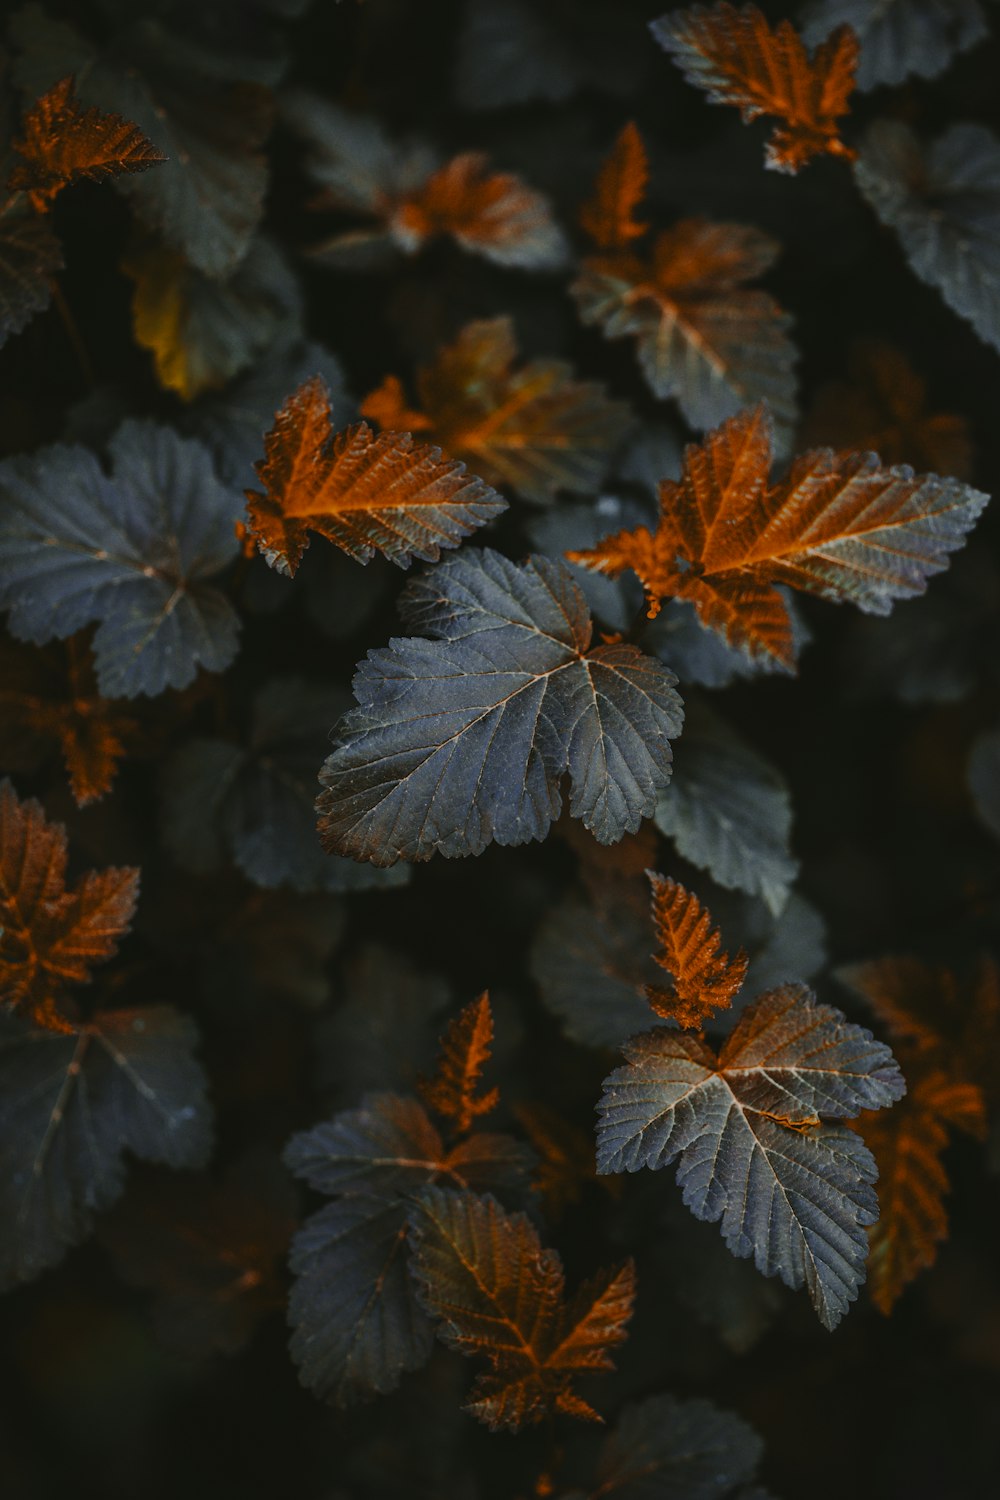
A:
x: 463, y: 739
x: 736, y: 57
x: 899, y: 38
x: 665, y: 1449
x: 465, y: 1051
x: 134, y: 550
x: 609, y: 217
x: 750, y: 1130
x: 704, y: 979
x: 364, y: 493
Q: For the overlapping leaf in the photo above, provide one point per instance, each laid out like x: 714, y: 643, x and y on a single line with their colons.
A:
x: 61, y: 142
x: 203, y: 331
x: 536, y: 429
x: 134, y: 550
x: 465, y: 738
x: 51, y: 937
x: 702, y: 336
x: 499, y: 1294
x: 736, y: 57
x: 364, y: 493
x: 205, y: 199
x: 253, y: 802
x: 728, y: 811
x: 899, y: 38
x: 410, y: 198
x: 944, y: 203
x: 839, y: 525
x: 750, y: 1129
x: 72, y: 1105
x: 30, y: 255
x: 453, y: 1092
x: 705, y: 978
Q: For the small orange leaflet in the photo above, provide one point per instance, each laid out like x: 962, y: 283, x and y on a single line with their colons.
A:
x: 465, y: 1051
x: 737, y: 59
x: 63, y: 142
x: 839, y: 525
x: 52, y: 936
x: 609, y: 217
x: 365, y: 493
x: 705, y: 978
x: 493, y: 212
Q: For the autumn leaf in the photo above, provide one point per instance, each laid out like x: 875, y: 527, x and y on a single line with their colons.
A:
x: 704, y: 979
x: 465, y: 1050
x: 364, y: 493
x: 702, y: 336
x: 536, y: 429
x: 484, y: 1274
x: 51, y: 937
x: 609, y: 217
x: 493, y: 213
x: 737, y: 59
x: 839, y: 525
x: 750, y: 1127
x: 63, y: 142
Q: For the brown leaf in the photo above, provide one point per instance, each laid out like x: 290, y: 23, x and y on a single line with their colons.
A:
x: 63, y: 142
x: 365, y: 493
x: 609, y: 217
x: 705, y: 979
x: 492, y: 212
x: 736, y: 57
x: 536, y: 429
x: 52, y: 936
x: 465, y: 1051
x: 839, y: 525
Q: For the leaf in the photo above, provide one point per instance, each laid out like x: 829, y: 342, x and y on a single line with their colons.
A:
x: 134, y: 550
x: 883, y: 408
x: 62, y: 142
x: 484, y: 1274
x: 704, y: 979
x: 205, y: 199
x: 30, y: 255
x: 609, y: 218
x: 50, y: 699
x: 899, y: 38
x: 839, y: 525
x: 750, y: 1130
x: 50, y: 936
x: 253, y: 802
x: 537, y: 429
x: 984, y: 779
x: 357, y: 1325
x: 664, y: 1449
x: 737, y: 59
x: 702, y: 336
x: 465, y: 1051
x: 908, y: 1146
x: 463, y: 739
x: 71, y: 1105
x: 202, y: 331
x: 364, y: 493
x: 728, y: 811
x: 944, y: 203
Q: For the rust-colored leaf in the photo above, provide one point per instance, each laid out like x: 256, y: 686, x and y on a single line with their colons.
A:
x: 63, y: 142
x: 465, y: 1051
x: 536, y: 429
x: 609, y: 217
x: 50, y: 936
x: 494, y: 213
x: 499, y: 1294
x: 565, y: 1157
x: 736, y: 57
x: 705, y: 978
x: 365, y: 493
x: 839, y: 525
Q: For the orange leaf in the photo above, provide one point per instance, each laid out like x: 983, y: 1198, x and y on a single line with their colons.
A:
x: 362, y: 492
x: 465, y: 1051
x: 492, y: 212
x: 609, y: 217
x: 535, y: 429
x: 52, y: 936
x: 736, y: 57
x: 705, y: 979
x: 839, y: 525
x: 63, y: 142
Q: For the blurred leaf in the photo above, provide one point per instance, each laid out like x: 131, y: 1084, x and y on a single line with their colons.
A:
x: 30, y: 255
x: 133, y: 550
x: 464, y: 739
x: 984, y: 779
x: 484, y: 1274
x: 899, y: 37
x: 609, y: 217
x: 453, y: 1091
